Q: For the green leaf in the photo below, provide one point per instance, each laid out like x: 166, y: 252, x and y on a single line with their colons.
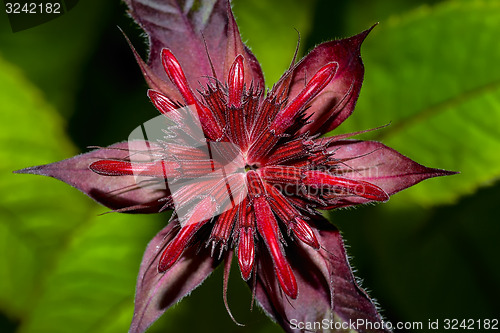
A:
x: 65, y: 266
x: 268, y: 28
x: 52, y: 54
x: 30, y: 133
x: 91, y: 287
x: 422, y: 263
x: 434, y: 75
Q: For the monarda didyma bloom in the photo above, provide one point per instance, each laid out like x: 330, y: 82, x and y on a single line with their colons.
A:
x: 244, y: 170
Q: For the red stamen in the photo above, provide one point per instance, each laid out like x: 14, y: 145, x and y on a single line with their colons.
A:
x: 263, y: 140
x: 289, y: 151
x: 176, y: 75
x: 184, y: 195
x: 161, y: 102
x: 159, y: 169
x: 286, y: 117
x: 291, y: 217
x: 246, y: 241
x: 216, y: 100
x: 200, y: 215
x: 318, y: 82
x: 222, y: 228
x: 356, y: 187
x: 268, y: 229
x: 198, y: 168
x: 254, y: 185
x: 235, y: 81
x: 282, y: 206
x: 251, y: 107
x: 305, y: 233
x: 246, y: 252
x: 235, y: 116
x: 282, y: 174
x: 187, y: 153
x: 176, y: 247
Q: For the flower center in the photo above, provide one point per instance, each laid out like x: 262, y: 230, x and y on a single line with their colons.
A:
x: 249, y: 167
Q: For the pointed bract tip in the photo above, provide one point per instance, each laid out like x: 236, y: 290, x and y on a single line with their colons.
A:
x: 367, y: 31
x: 440, y: 172
x: 360, y: 38
x: 35, y: 170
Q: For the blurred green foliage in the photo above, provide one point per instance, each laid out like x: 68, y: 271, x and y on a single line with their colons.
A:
x: 430, y: 253
x: 435, y: 68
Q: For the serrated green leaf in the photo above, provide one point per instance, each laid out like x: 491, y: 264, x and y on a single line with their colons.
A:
x: 268, y: 28
x: 91, y: 287
x: 434, y: 76
x: 428, y: 264
x: 62, y: 265
x: 30, y: 133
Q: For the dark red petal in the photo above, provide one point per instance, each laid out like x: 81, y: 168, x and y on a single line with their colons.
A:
x: 155, y: 292
x: 185, y: 28
x: 113, y: 192
x: 327, y: 288
x: 380, y: 165
x: 337, y: 100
